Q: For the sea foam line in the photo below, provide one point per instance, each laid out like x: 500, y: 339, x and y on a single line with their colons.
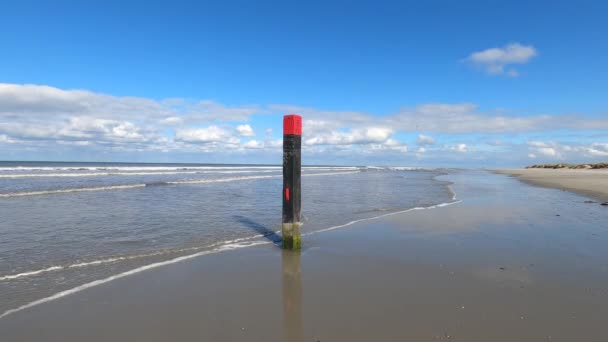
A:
x: 122, y: 258
x: 160, y: 168
x: 58, y: 295
x: 132, y: 168
x: 133, y: 186
x: 65, y: 191
x: 99, y: 174
x: 231, y: 245
x: 381, y: 216
x: 220, y: 180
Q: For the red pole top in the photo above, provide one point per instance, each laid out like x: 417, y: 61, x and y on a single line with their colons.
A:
x: 292, y: 124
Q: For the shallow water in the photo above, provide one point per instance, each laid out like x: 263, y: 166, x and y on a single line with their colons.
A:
x: 499, y: 264
x: 67, y: 224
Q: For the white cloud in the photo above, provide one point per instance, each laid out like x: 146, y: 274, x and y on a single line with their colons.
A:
x: 355, y: 136
x: 205, y: 135
x: 556, y: 150
x: 76, y: 128
x: 495, y: 60
x: 440, y: 118
x: 598, y: 149
x: 547, y: 151
x: 39, y: 101
x: 171, y: 120
x: 459, y: 148
x: 537, y: 144
x: 30, y: 113
x: 465, y: 118
x: 5, y: 139
x: 245, y: 131
x: 424, y: 140
x: 40, y: 118
x: 531, y: 155
x: 253, y: 144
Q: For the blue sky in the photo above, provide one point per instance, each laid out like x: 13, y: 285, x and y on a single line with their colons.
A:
x: 478, y: 83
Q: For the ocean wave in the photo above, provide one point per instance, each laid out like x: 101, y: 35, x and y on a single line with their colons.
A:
x: 130, y: 168
x: 66, y: 191
x: 98, y: 174
x: 159, y: 168
x: 220, y: 180
x: 132, y: 186
x: 93, y: 174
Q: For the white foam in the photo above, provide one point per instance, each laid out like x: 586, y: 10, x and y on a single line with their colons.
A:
x: 122, y: 258
x: 159, y: 168
x: 156, y: 173
x: 64, y: 191
x: 381, y: 216
x: 221, y: 180
x: 230, y: 246
x: 225, y: 246
x: 117, y: 173
x: 131, y: 168
x: 31, y: 273
x: 93, y: 174
x: 98, y: 174
x: 232, y: 179
x: 397, y: 168
x: 131, y: 186
x: 331, y: 173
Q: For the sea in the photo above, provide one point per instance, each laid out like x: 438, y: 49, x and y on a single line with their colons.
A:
x: 68, y: 226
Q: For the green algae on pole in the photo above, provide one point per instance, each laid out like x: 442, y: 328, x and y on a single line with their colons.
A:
x: 292, y: 164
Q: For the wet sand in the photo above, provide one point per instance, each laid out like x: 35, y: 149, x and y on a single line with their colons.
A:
x: 593, y: 183
x: 498, y: 266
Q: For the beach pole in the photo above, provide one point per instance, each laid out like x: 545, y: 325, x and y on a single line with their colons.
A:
x: 292, y: 164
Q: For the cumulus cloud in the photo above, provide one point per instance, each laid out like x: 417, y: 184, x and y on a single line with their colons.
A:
x: 355, y: 136
x: 171, y: 120
x: 424, y: 140
x: 30, y: 113
x: 547, y: 151
x: 253, y: 144
x: 41, y: 101
x: 41, y: 118
x: 205, y: 135
x: 598, y: 149
x: 496, y: 60
x: 561, y: 151
x: 5, y: 139
x: 245, y: 130
x: 459, y: 148
x: 447, y: 118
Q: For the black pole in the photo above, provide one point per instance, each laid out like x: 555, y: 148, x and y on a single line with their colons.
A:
x: 292, y: 164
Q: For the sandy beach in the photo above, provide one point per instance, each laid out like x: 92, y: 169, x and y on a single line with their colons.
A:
x: 507, y: 262
x: 593, y: 183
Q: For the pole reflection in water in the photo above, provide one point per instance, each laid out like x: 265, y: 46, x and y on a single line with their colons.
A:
x: 292, y: 296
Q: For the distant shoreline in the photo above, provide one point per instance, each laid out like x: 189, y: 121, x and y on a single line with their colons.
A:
x: 591, y: 183
x: 569, y: 166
